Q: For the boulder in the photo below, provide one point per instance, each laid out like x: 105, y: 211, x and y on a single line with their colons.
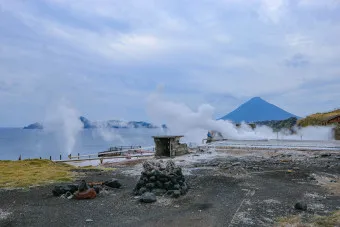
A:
x: 142, y: 191
x: 97, y: 189
x: 301, y: 206
x: 63, y: 189
x: 176, y: 194
x: 168, y: 185
x: 150, y: 185
x: 83, y: 186
x: 170, y: 192
x: 153, y: 178
x: 148, y: 197
x: 140, y: 183
x: 159, y: 184
x: 88, y: 194
x: 114, y: 183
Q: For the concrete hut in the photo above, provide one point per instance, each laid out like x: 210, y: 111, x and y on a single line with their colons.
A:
x: 169, y: 146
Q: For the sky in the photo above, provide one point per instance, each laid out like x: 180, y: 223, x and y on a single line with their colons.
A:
x: 106, y: 57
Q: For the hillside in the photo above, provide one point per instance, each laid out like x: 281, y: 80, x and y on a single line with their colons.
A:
x: 279, y: 125
x: 317, y: 118
x: 255, y: 110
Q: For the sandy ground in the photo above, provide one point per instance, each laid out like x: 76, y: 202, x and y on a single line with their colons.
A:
x: 233, y: 188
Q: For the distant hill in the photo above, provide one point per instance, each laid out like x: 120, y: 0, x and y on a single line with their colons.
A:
x: 34, y: 126
x: 105, y: 124
x: 278, y: 125
x: 318, y: 118
x: 257, y: 109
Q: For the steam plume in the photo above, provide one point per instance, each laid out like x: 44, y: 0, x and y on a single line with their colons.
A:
x: 194, y: 124
x: 63, y: 121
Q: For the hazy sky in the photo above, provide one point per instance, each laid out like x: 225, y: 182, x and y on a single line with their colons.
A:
x: 106, y: 56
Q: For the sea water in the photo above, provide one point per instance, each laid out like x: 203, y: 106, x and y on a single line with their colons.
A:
x: 39, y: 143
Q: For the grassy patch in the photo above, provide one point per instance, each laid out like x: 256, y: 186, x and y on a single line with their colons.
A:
x: 14, y: 174
x: 315, y: 221
x: 318, y: 118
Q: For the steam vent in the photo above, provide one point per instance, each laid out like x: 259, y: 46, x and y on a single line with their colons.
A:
x: 169, y: 146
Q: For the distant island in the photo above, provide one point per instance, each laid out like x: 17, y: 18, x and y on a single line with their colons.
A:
x: 87, y: 124
x: 36, y: 125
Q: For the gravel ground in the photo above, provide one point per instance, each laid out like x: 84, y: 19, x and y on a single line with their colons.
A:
x: 224, y: 191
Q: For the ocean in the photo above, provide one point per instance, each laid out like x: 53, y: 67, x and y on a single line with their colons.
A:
x: 39, y: 143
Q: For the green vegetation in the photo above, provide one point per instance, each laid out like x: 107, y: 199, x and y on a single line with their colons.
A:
x: 279, y: 125
x: 315, y: 221
x: 14, y: 174
x: 318, y: 118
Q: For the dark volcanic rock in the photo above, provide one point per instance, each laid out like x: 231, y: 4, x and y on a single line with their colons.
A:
x: 168, y: 185
x: 159, y: 192
x: 177, y: 187
x: 153, y: 178
x: 161, y: 179
x: 176, y: 194
x: 114, y: 183
x: 325, y: 155
x: 148, y: 197
x: 150, y: 185
x: 301, y: 206
x: 97, y: 189
x: 159, y: 184
x: 83, y: 186
x: 63, y: 189
x: 142, y: 191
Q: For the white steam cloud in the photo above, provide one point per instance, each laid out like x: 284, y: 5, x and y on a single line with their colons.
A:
x: 63, y: 121
x: 108, y: 134
x: 194, y: 125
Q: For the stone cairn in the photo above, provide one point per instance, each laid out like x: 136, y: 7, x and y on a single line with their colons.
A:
x: 161, y: 179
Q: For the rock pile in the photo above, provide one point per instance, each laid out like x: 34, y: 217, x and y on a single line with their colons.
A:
x: 161, y: 179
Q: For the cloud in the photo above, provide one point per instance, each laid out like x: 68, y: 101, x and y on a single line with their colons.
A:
x: 272, y: 10
x: 111, y: 55
x: 297, y: 60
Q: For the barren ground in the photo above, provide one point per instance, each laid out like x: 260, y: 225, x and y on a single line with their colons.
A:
x: 234, y: 188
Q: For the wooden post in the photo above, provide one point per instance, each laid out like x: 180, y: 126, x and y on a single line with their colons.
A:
x: 50, y: 158
x: 60, y: 156
x: 78, y: 155
x: 19, y: 158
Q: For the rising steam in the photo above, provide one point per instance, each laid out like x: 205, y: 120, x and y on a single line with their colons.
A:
x: 108, y: 135
x: 194, y: 125
x: 63, y: 121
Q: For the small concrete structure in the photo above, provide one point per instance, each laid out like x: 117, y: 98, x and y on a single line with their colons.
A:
x: 169, y: 146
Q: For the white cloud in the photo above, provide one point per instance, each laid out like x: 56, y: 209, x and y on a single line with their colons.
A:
x: 112, y: 53
x: 272, y: 10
